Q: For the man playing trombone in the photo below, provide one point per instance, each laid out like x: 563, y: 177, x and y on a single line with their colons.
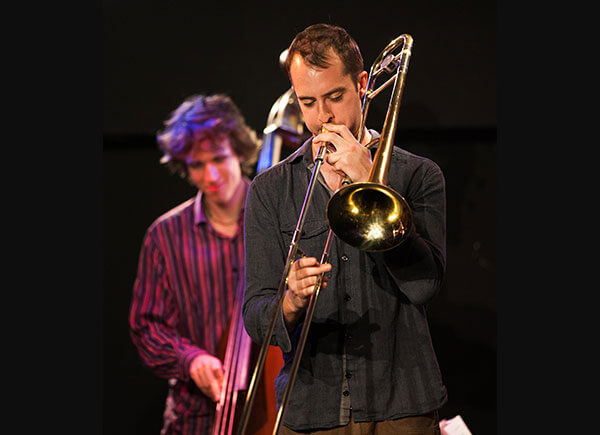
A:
x: 368, y: 364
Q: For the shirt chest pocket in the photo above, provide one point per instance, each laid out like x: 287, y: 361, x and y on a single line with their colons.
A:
x: 312, y: 238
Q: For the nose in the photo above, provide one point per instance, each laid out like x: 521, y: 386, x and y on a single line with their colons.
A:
x: 324, y: 114
x: 211, y: 173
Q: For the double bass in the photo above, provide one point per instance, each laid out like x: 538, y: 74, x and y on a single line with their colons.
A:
x: 284, y: 132
x: 238, y: 354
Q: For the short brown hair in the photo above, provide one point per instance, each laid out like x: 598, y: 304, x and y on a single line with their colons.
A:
x: 314, y: 42
x: 215, y: 117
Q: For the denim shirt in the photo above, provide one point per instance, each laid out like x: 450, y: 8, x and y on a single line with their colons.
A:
x: 368, y: 348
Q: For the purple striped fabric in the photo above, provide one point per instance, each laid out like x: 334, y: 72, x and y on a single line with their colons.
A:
x: 182, y: 300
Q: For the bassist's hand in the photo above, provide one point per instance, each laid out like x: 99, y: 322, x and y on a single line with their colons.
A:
x: 207, y: 372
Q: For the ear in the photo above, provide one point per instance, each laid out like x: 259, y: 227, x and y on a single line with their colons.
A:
x: 362, y: 83
x: 241, y: 159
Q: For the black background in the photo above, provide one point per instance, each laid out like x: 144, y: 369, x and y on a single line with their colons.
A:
x: 156, y: 54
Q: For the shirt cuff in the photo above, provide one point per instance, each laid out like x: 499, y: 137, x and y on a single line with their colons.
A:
x: 281, y: 334
x: 188, y: 355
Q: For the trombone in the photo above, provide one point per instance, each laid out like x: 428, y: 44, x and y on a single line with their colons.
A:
x: 369, y: 215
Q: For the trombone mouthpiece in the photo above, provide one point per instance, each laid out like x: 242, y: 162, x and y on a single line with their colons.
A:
x: 330, y: 148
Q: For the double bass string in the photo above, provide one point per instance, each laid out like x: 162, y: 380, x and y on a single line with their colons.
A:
x: 235, y: 366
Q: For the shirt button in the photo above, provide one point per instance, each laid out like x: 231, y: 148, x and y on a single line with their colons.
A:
x: 344, y: 258
x: 347, y: 298
x: 346, y: 393
x: 348, y: 375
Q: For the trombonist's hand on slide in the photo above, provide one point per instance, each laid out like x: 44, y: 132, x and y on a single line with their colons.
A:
x: 350, y: 157
x: 304, y: 274
x: 207, y: 372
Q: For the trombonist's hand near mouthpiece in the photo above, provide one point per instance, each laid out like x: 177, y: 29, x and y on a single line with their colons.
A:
x: 350, y: 157
x: 301, y: 281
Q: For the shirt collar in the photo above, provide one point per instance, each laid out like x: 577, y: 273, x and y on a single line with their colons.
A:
x: 200, y: 215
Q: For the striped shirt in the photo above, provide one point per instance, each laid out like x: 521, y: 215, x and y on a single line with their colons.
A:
x: 183, y: 297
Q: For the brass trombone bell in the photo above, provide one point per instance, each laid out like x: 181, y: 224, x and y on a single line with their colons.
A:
x: 369, y: 216
x: 372, y: 216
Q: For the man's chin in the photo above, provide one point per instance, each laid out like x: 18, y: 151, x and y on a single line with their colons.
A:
x: 213, y: 196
